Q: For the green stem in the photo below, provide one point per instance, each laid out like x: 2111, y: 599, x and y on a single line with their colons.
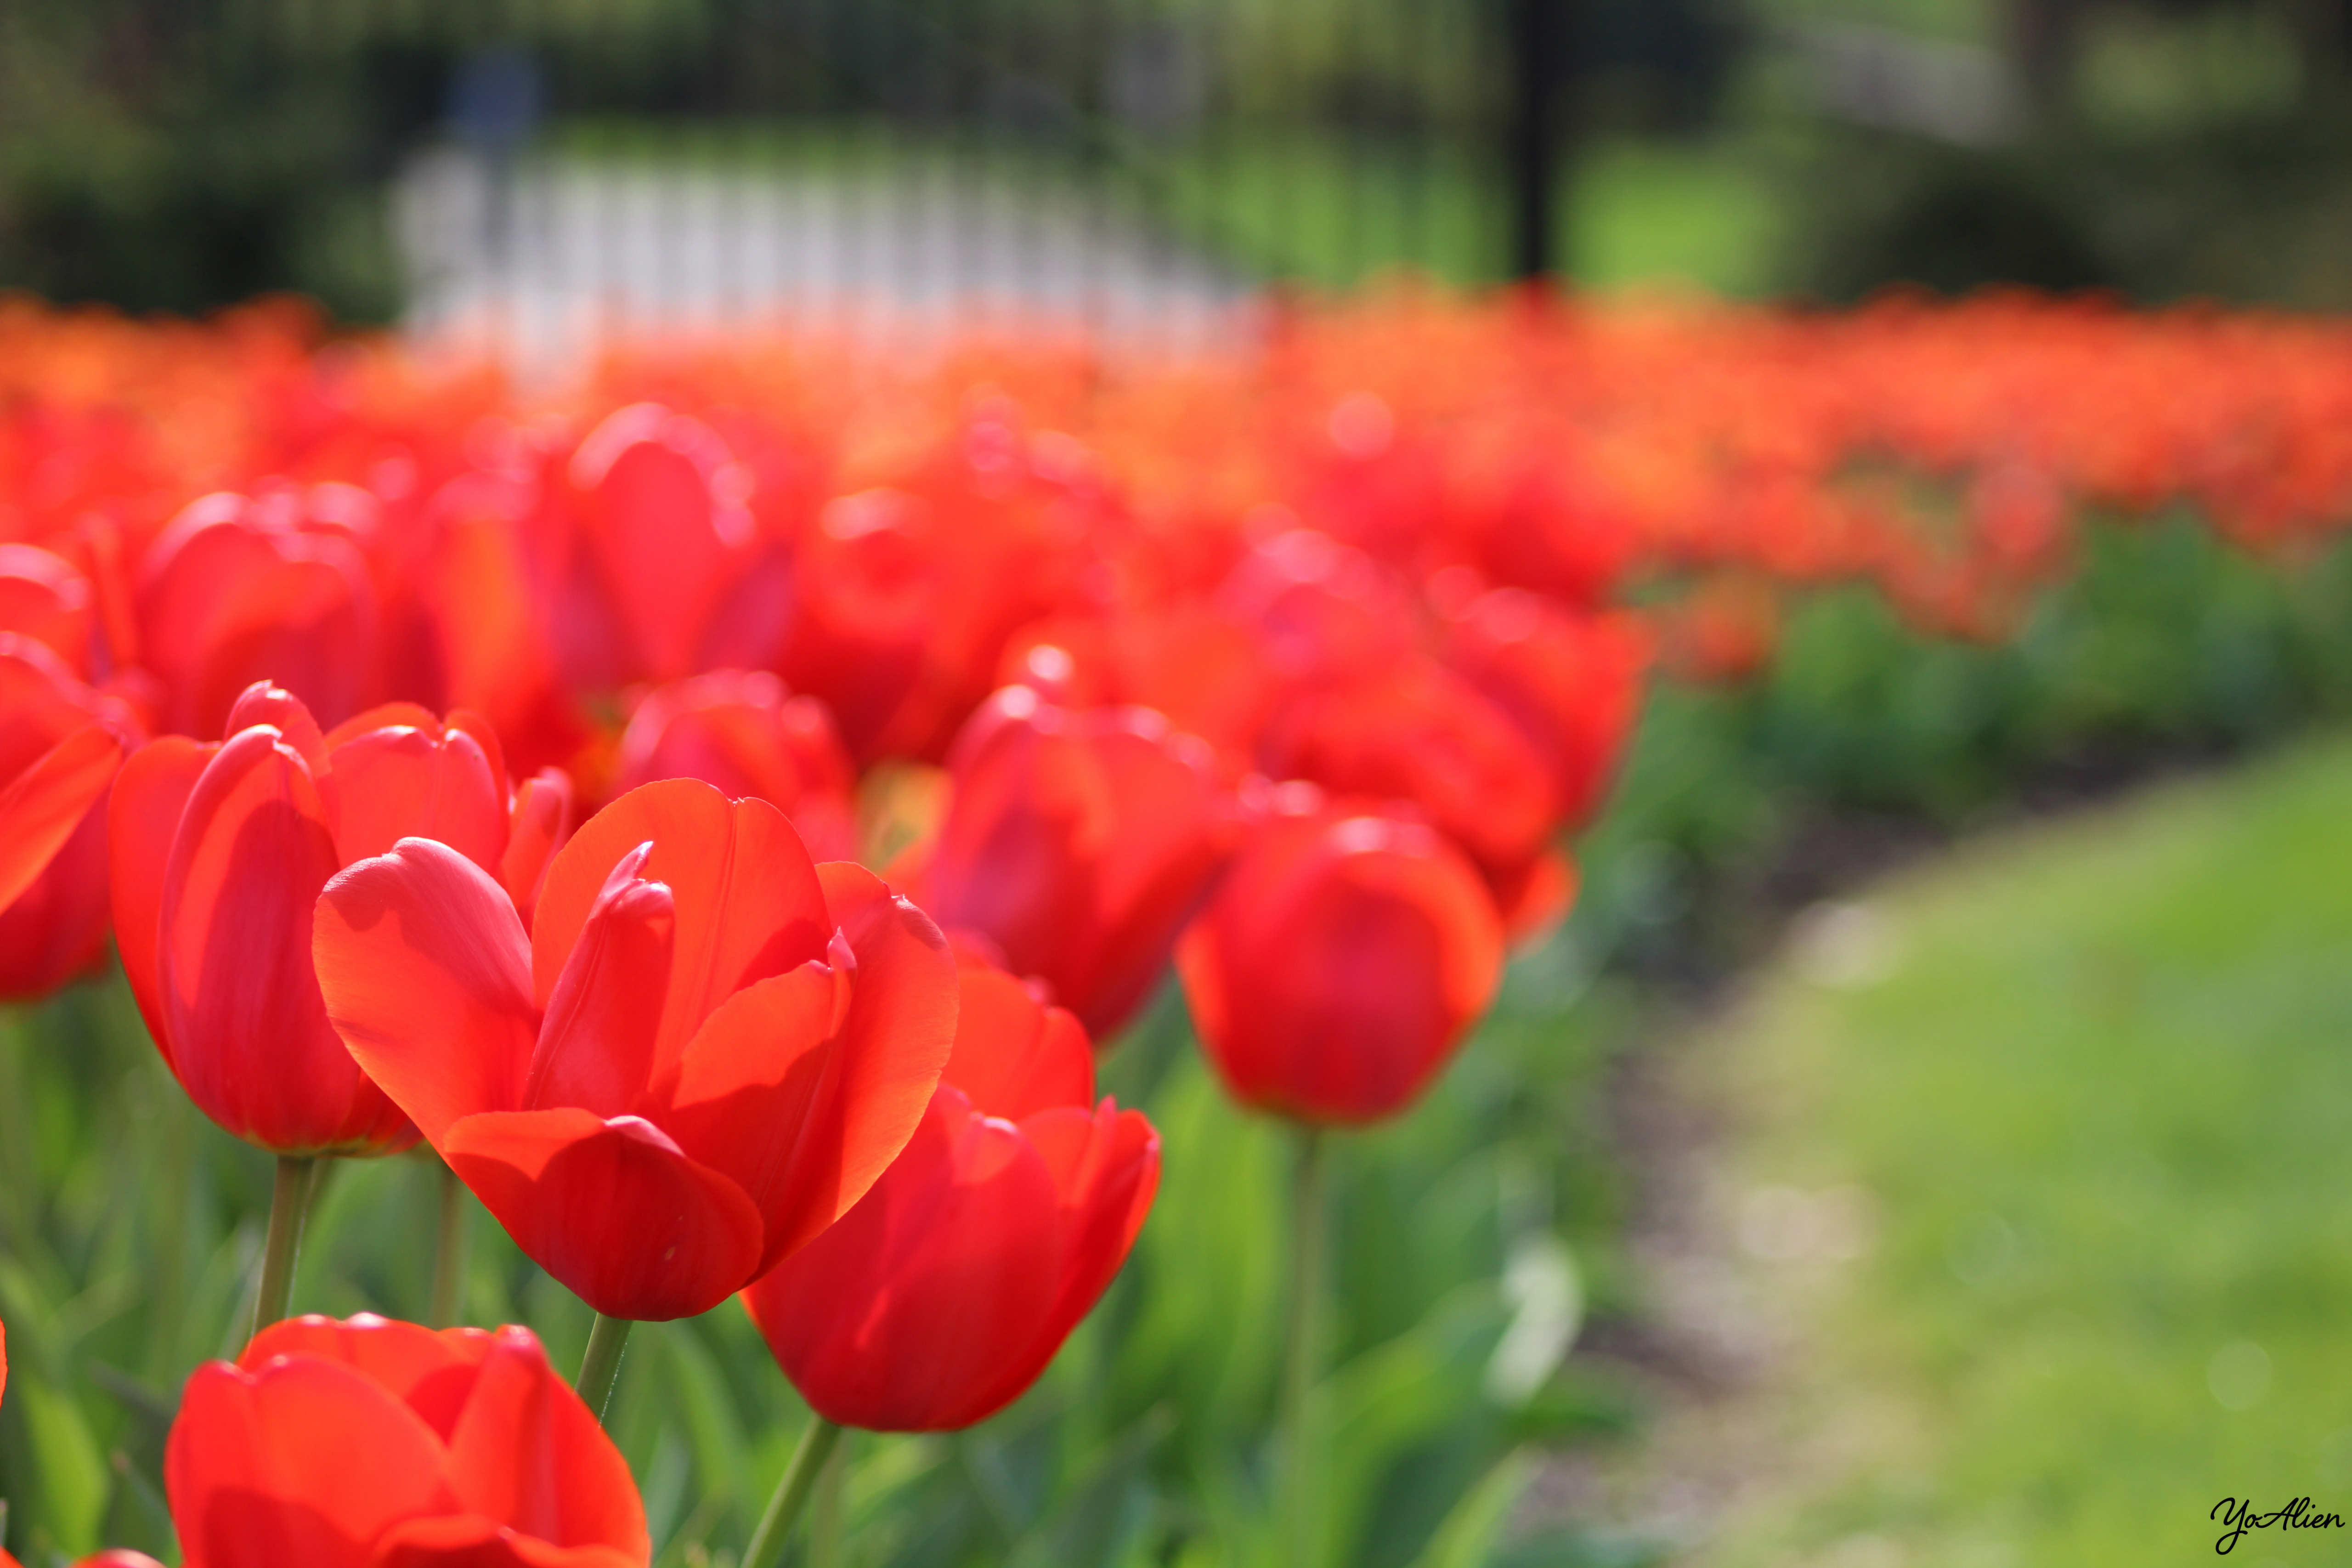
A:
x: 800, y: 1479
x: 449, y: 1253
x: 1296, y: 1440
x: 601, y: 1367
x: 826, y: 1512
x: 290, y: 1205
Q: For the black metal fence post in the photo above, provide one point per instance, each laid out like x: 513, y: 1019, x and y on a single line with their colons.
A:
x: 1539, y: 33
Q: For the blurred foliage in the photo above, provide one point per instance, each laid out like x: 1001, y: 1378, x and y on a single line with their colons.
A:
x: 2250, y: 213
x: 183, y: 156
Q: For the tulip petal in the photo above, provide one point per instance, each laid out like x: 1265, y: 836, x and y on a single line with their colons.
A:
x: 143, y: 814
x: 264, y: 704
x: 1105, y: 1167
x: 1175, y: 829
x: 250, y: 1039
x: 470, y: 1540
x: 748, y: 902
x: 384, y: 716
x: 530, y: 1455
x: 1340, y: 965
x: 596, y: 1044
x: 41, y: 806
x: 431, y: 1372
x: 305, y: 1461
x: 740, y: 1099
x: 541, y: 822
x: 887, y: 1059
x: 612, y: 1209
x: 1014, y: 1056
x: 388, y: 784
x: 1019, y: 854
x: 427, y: 977
x: 899, y: 1317
x: 483, y: 734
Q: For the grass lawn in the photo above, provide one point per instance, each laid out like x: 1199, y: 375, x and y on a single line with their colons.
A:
x: 2088, y: 1088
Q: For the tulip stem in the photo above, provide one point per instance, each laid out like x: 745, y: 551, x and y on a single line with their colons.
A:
x: 600, y: 1369
x: 791, y: 1492
x: 449, y: 1253
x: 1296, y: 1440
x: 825, y: 1514
x: 290, y: 1205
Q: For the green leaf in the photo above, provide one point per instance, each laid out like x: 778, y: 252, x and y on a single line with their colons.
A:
x: 70, y: 1467
x: 1095, y: 1526
x: 1466, y: 1539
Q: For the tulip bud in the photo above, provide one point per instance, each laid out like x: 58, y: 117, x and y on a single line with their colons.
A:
x: 1340, y: 963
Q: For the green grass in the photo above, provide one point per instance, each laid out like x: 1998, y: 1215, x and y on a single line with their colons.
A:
x: 2099, y: 1097
x: 1305, y: 205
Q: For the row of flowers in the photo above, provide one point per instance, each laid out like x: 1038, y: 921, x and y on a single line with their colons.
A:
x: 725, y: 808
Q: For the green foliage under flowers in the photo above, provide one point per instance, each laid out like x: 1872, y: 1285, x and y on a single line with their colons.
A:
x: 132, y: 1228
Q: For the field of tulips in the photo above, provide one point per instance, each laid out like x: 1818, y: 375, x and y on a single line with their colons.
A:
x: 769, y: 816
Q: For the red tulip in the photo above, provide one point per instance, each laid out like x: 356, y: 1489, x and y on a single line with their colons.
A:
x: 46, y: 597
x: 1571, y: 684
x: 1321, y: 610
x: 745, y: 734
x: 904, y: 595
x: 1414, y: 730
x: 1078, y: 844
x: 939, y: 1298
x: 60, y: 746
x: 1340, y: 963
x: 1204, y: 671
x: 239, y: 589
x: 703, y: 1053
x: 370, y: 1443
x: 219, y: 852
x: 659, y: 540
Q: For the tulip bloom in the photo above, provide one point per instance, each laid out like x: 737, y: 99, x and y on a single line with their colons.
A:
x: 1078, y: 844
x: 939, y: 1298
x: 745, y: 734
x: 219, y: 852
x: 46, y: 597
x: 1571, y: 684
x: 654, y: 541
x: 370, y: 1443
x: 703, y: 1052
x: 1414, y: 730
x: 242, y: 589
x: 60, y: 746
x: 1340, y: 963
